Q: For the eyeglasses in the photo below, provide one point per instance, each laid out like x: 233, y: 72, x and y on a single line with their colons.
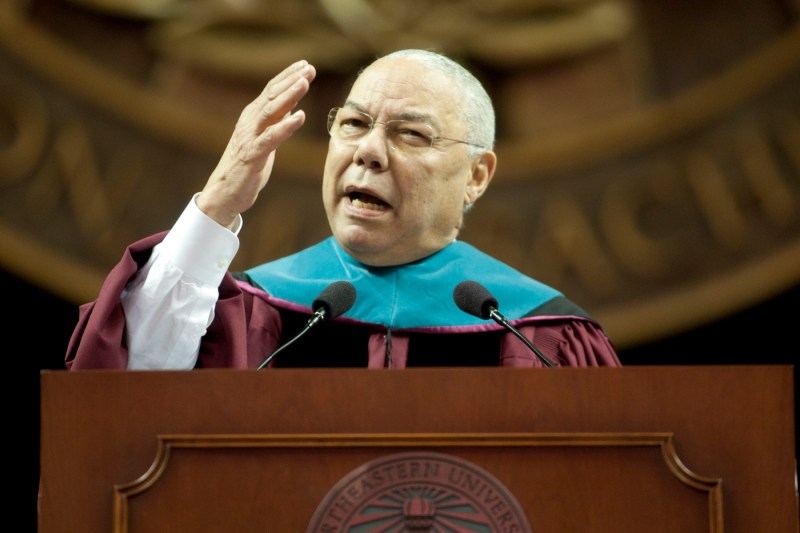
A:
x: 350, y: 126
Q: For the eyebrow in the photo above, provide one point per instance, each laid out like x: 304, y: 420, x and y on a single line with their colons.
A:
x: 411, y: 117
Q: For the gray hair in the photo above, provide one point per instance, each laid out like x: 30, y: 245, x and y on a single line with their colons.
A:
x: 477, y: 110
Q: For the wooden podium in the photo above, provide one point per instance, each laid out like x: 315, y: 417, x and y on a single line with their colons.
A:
x: 655, y: 449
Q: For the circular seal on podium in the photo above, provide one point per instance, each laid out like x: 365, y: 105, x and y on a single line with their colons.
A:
x: 419, y: 492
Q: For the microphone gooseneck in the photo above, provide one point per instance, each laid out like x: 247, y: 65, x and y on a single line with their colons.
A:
x: 475, y: 299
x: 333, y: 301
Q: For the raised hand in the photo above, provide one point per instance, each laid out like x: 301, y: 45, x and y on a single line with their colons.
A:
x: 246, y: 163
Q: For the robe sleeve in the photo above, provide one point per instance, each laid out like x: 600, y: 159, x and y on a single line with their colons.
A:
x: 567, y: 342
x: 244, y: 330
x: 98, y: 340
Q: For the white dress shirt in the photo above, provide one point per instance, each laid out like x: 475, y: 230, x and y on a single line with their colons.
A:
x: 170, y: 302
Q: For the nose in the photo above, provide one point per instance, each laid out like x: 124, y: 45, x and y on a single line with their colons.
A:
x: 372, y: 150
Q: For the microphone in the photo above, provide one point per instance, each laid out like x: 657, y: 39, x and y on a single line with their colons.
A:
x: 475, y: 299
x: 333, y: 301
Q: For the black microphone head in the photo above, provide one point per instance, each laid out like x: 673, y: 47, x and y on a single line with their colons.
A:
x: 475, y: 299
x: 336, y: 299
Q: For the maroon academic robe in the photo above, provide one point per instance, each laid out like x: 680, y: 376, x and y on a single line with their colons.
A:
x: 248, y: 326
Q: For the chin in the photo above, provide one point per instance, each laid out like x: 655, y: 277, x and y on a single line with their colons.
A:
x: 368, y: 252
x: 357, y: 241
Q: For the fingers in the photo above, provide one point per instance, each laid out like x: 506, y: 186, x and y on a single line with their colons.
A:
x: 267, y: 121
x: 271, y: 117
x: 246, y: 163
x: 282, y: 130
x: 282, y: 94
x: 287, y: 77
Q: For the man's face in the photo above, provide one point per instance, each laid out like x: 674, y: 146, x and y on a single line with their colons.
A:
x: 387, y: 205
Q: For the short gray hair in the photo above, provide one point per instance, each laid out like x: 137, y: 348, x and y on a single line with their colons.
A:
x: 477, y: 111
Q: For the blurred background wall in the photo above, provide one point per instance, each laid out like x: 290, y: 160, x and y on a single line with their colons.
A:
x: 649, y: 154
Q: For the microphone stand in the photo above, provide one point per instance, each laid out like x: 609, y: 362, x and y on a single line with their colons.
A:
x: 319, y: 315
x: 500, y: 319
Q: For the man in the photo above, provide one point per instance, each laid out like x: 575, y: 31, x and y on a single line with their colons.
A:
x: 410, y: 152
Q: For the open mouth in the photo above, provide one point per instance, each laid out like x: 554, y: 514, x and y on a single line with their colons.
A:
x: 367, y: 201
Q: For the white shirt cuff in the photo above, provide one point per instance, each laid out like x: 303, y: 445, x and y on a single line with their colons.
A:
x: 200, y: 247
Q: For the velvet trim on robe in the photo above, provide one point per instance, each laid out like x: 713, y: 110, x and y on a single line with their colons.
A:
x: 249, y: 324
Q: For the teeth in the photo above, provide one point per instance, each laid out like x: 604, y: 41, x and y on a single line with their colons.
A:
x: 367, y: 202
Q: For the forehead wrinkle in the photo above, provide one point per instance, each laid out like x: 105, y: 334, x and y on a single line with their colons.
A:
x: 410, y: 116
x: 380, y: 85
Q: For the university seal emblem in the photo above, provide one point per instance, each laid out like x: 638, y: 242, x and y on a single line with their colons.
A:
x: 419, y: 492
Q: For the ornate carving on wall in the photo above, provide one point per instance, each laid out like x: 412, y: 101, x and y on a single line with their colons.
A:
x: 649, y: 152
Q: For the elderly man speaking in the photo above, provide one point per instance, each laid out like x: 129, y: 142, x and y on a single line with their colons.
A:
x: 410, y: 151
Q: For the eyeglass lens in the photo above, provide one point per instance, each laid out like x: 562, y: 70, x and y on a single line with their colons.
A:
x: 350, y: 126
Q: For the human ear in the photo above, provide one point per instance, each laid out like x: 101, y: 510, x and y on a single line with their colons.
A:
x: 481, y: 173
